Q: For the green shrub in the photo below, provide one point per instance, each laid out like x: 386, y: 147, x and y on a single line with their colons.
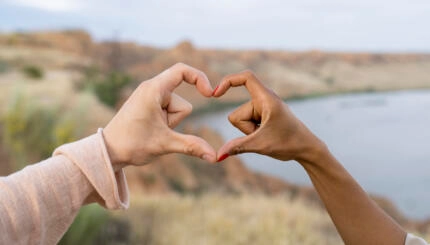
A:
x: 33, y: 72
x: 330, y: 80
x: 116, y: 231
x: 108, y: 87
x: 31, y: 131
x: 86, y: 226
x: 4, y: 67
x: 177, y: 185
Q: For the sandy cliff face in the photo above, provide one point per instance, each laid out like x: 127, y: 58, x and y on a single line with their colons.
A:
x: 290, y: 74
x: 73, y: 41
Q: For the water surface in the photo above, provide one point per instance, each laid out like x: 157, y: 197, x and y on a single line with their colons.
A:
x: 383, y: 140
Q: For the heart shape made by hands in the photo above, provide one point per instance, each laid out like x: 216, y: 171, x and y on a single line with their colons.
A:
x: 153, y: 110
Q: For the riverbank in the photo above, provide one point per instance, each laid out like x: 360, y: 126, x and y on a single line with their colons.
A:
x: 216, y: 105
x: 372, y: 134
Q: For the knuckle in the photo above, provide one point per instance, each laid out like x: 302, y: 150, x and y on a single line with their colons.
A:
x: 226, y: 78
x: 237, y: 150
x: 179, y: 65
x: 201, y: 75
x: 190, y: 148
x: 249, y: 73
x: 232, y: 118
x: 196, y: 76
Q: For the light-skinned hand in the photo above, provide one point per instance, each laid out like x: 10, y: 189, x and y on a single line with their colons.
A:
x: 142, y: 130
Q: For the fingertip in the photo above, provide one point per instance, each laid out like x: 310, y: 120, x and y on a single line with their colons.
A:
x: 224, y: 150
x: 191, y: 75
x: 203, y: 149
x: 215, y: 90
x: 221, y: 89
x: 207, y: 89
x: 223, y: 157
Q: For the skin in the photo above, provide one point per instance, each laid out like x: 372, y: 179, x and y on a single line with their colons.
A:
x: 271, y: 129
x: 142, y: 130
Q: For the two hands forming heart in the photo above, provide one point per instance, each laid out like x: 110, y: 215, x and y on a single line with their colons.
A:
x: 143, y: 128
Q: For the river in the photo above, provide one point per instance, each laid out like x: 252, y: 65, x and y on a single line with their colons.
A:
x: 382, y: 139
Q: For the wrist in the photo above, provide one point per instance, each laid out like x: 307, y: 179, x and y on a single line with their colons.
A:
x: 314, y: 153
x: 115, y: 158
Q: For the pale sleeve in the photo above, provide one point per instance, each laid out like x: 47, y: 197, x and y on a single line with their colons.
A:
x: 413, y: 240
x: 39, y: 203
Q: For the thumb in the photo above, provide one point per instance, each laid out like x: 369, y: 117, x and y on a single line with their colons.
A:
x: 191, y: 145
x: 236, y: 146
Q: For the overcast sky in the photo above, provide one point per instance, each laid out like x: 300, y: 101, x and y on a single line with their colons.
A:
x: 340, y: 25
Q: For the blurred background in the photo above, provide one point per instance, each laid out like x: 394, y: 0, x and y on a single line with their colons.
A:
x: 356, y: 72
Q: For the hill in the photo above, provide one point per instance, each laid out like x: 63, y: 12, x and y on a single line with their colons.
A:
x: 289, y: 74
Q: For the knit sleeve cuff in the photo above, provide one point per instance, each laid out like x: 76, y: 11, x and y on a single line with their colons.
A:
x: 413, y: 240
x: 91, y: 156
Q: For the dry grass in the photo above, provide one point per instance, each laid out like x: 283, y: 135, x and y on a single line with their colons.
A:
x: 215, y: 219
x: 55, y: 89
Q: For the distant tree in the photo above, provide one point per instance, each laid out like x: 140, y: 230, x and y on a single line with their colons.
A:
x: 33, y: 72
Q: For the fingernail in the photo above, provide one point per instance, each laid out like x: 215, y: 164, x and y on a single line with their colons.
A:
x: 216, y: 88
x: 223, y: 157
x: 206, y: 157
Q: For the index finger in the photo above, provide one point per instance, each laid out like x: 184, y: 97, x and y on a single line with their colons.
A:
x: 245, y: 78
x: 175, y: 75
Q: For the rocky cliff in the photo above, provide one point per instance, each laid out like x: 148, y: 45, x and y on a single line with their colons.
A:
x: 290, y: 74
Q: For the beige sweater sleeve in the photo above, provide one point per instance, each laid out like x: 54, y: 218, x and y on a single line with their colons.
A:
x: 39, y: 203
x: 413, y: 240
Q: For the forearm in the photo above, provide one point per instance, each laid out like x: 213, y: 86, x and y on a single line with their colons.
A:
x: 357, y: 218
x: 38, y: 203
x: 272, y: 129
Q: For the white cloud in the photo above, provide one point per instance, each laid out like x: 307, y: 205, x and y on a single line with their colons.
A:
x: 50, y: 5
x: 290, y: 24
